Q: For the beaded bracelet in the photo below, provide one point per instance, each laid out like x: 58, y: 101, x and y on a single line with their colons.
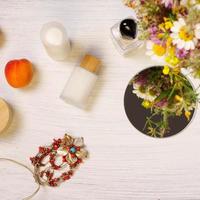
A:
x: 57, y: 162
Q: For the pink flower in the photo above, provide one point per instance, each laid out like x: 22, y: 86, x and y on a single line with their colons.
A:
x: 142, y: 1
x: 154, y: 31
x: 157, y: 41
x: 168, y: 3
x: 161, y: 104
x: 141, y: 79
x: 181, y: 53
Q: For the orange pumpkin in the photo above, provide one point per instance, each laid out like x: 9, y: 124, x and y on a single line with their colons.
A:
x: 19, y: 73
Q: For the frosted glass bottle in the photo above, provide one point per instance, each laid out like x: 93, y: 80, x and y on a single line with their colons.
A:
x: 54, y: 38
x: 81, y: 82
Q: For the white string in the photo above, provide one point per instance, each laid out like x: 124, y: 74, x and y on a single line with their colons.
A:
x: 29, y: 169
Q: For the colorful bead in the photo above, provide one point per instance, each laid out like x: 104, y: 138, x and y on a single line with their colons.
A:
x: 73, y: 150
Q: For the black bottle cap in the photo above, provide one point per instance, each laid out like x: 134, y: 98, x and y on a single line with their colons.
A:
x: 128, y: 29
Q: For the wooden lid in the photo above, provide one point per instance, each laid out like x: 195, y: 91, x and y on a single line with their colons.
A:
x: 91, y: 63
x: 5, y: 115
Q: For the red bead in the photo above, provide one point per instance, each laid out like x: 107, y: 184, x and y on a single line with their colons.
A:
x: 78, y: 148
x: 70, y: 173
x: 56, y: 167
x: 51, y: 155
x: 55, y: 146
x: 52, y: 183
x: 73, y: 165
x: 48, y: 150
x: 66, y: 177
x: 42, y: 173
x: 73, y: 155
x: 64, y: 159
x: 41, y: 149
x: 68, y: 148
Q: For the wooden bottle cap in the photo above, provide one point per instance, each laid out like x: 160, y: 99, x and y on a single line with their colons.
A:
x: 5, y: 115
x: 91, y: 63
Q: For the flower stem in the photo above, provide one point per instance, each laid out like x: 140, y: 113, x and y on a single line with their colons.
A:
x: 165, y: 119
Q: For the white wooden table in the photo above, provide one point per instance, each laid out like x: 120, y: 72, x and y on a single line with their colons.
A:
x: 124, y: 164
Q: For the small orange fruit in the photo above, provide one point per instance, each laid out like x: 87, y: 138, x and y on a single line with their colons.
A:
x: 19, y: 73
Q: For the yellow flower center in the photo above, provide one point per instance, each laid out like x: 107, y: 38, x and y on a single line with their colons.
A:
x: 161, y: 27
x: 159, y: 50
x: 166, y: 70
x: 187, y: 115
x: 160, y: 35
x: 168, y: 25
x: 172, y: 60
x: 146, y: 104
x: 178, y: 98
x: 169, y: 41
x: 185, y: 35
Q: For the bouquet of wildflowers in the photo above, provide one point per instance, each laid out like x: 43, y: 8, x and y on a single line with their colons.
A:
x: 166, y: 93
x: 172, y: 31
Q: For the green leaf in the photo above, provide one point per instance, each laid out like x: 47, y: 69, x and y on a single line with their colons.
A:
x: 163, y: 95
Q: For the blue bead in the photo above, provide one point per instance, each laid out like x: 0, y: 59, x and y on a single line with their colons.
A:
x: 72, y: 149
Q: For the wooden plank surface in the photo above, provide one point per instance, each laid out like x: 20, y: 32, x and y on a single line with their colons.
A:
x: 124, y: 164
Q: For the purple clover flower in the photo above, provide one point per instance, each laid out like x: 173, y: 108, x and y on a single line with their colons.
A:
x: 142, y: 1
x: 181, y: 53
x: 161, y: 104
x: 141, y: 79
x: 153, y: 35
x: 153, y: 30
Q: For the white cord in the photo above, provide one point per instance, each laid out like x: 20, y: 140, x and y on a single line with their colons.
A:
x: 29, y: 169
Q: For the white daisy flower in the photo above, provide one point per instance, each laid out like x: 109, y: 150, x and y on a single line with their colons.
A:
x: 143, y: 95
x: 184, y: 2
x: 197, y: 6
x: 197, y: 31
x: 156, y: 51
x: 190, y: 3
x: 183, y: 37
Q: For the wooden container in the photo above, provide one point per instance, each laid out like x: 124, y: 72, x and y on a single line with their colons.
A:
x: 5, y: 115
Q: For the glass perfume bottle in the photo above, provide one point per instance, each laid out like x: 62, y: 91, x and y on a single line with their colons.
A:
x: 54, y: 38
x: 125, y: 35
x: 81, y: 82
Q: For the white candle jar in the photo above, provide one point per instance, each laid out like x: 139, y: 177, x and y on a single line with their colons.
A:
x: 54, y: 38
x: 81, y: 82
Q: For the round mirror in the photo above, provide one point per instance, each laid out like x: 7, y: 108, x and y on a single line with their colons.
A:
x: 160, y: 101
